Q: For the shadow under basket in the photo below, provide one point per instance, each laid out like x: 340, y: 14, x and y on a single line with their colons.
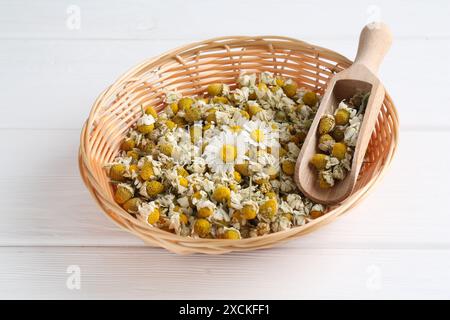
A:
x: 189, y: 69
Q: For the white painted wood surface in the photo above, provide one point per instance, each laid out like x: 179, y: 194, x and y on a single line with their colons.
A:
x: 396, y: 244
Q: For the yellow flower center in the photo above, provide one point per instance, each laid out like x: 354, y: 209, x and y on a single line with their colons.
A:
x: 257, y: 135
x: 235, y: 129
x: 228, y: 153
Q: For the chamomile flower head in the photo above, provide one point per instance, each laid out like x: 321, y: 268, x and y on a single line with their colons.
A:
x: 224, y: 151
x: 149, y: 211
x: 260, y: 134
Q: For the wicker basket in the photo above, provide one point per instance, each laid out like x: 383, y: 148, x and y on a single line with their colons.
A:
x: 189, y: 69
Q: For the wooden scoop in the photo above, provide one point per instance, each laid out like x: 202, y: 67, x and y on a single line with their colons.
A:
x: 374, y: 42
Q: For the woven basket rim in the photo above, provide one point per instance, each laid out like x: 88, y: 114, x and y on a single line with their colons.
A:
x: 333, y: 213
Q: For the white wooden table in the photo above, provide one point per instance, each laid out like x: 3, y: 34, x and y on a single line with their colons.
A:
x: 52, y: 66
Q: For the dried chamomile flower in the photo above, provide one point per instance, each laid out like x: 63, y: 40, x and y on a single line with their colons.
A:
x: 128, y: 144
x: 326, y: 124
x: 133, y: 154
x: 124, y: 192
x: 245, y: 114
x: 221, y: 193
x: 205, y: 208
x: 253, y: 109
x: 243, y: 168
x: 231, y: 234
x: 153, y: 217
x: 117, y: 171
x: 290, y: 89
x: 319, y: 161
x: 316, y: 211
x: 288, y: 167
x: 183, y: 219
x: 174, y: 107
x: 310, y: 98
x: 220, y: 100
x: 338, y: 133
x: 133, y: 169
x: 151, y: 111
x: 154, y: 188
x: 146, y: 171
x: 342, y: 116
x: 269, y: 209
x: 326, y: 143
x: 166, y: 149
x: 237, y: 177
x: 202, y: 227
x: 338, y: 172
x: 280, y: 81
x: 132, y: 205
x: 326, y: 180
x: 215, y: 89
x: 179, y: 121
x: 185, y: 103
x: 211, y: 115
x: 193, y: 114
x: 146, y: 124
x: 299, y: 137
x: 339, y: 150
x: 249, y: 210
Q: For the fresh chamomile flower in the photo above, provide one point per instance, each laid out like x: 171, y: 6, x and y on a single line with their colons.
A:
x: 223, y: 152
x: 260, y: 134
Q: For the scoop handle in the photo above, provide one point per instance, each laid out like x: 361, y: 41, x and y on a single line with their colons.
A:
x: 374, y: 42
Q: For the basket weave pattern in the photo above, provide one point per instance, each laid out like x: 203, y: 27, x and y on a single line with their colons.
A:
x: 189, y: 69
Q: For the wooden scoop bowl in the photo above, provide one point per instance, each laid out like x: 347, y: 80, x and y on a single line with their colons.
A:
x: 374, y: 42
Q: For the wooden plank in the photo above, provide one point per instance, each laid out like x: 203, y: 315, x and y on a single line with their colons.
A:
x: 45, y: 203
x: 178, y: 19
x: 289, y: 273
x: 61, y: 79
